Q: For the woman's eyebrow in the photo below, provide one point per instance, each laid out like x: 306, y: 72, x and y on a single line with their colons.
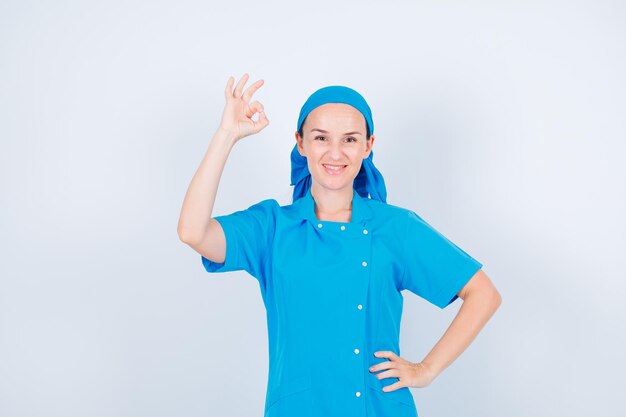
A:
x: 349, y: 133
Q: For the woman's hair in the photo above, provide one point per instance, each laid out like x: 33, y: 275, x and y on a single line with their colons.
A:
x: 367, y: 130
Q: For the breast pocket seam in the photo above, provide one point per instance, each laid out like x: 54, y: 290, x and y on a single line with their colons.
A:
x: 287, y: 388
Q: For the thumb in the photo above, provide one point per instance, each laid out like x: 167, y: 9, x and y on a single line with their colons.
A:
x: 254, y: 107
x: 262, y: 122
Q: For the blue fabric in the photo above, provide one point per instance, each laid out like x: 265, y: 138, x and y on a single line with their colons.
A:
x: 369, y: 181
x: 337, y: 94
x: 332, y: 287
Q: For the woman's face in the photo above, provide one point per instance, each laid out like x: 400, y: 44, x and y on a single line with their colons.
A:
x: 334, y: 144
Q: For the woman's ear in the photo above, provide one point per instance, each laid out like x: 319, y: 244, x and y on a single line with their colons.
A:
x: 300, y: 141
x: 368, y: 146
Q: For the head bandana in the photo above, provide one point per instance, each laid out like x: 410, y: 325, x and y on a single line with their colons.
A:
x: 369, y: 180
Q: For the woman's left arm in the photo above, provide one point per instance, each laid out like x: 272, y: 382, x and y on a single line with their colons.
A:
x: 480, y: 301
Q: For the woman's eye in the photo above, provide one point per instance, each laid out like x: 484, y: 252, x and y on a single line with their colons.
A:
x: 349, y: 139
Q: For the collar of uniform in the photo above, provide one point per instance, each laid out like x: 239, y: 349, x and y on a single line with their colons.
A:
x: 360, y: 208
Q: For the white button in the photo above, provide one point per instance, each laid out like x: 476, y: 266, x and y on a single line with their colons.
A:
x: 319, y: 225
x: 358, y: 393
x: 360, y: 307
x: 343, y: 227
x: 364, y: 263
x: 364, y: 231
x: 356, y: 351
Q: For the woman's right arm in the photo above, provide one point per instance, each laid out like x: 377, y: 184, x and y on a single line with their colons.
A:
x: 196, y: 227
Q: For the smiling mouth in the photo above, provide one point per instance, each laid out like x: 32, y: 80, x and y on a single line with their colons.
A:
x: 334, y: 169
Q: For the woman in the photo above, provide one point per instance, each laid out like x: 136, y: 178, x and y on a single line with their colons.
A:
x: 331, y: 265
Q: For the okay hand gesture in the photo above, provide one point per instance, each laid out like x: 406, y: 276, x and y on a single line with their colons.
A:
x: 238, y: 112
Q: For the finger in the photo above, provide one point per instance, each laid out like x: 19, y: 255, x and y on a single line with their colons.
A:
x: 228, y: 91
x: 263, y: 118
x: 262, y: 121
x: 394, y: 386
x: 385, y: 354
x: 392, y: 373
x: 252, y: 89
x: 383, y: 365
x: 253, y: 108
x: 240, y: 85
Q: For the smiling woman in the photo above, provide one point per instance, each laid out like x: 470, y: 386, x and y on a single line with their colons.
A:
x: 334, y: 159
x: 331, y: 265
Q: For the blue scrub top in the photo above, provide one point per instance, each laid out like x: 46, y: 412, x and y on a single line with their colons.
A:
x: 332, y: 295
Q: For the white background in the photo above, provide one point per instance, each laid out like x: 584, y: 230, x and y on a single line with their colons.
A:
x: 502, y: 125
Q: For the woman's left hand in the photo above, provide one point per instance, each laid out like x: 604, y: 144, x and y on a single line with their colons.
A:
x: 410, y: 374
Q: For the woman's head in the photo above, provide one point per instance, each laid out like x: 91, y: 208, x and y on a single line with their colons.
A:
x: 335, y: 135
x: 335, y: 139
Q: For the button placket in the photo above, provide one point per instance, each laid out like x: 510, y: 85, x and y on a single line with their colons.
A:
x: 364, y: 263
x: 358, y: 286
x: 356, y: 232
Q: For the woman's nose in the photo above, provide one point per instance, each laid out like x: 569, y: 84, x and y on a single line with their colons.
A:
x: 335, y: 150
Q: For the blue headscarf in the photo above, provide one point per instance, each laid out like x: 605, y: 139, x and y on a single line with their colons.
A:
x: 369, y: 181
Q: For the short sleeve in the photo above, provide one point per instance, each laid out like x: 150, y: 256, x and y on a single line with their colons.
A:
x: 249, y: 235
x: 434, y: 267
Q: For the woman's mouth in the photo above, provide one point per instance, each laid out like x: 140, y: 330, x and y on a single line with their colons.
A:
x: 334, y: 169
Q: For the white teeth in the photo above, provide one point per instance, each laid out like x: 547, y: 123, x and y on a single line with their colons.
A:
x: 334, y: 168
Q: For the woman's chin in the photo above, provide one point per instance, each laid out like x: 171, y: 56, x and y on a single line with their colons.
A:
x: 335, y: 183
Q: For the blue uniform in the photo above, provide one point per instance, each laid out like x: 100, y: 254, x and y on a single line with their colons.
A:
x: 332, y: 296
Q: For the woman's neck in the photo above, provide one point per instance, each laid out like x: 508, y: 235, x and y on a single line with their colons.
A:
x: 333, y: 205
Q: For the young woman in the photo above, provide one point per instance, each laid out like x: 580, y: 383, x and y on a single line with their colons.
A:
x: 331, y: 266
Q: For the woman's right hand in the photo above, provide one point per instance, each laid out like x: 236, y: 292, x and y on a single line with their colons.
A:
x: 238, y: 112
